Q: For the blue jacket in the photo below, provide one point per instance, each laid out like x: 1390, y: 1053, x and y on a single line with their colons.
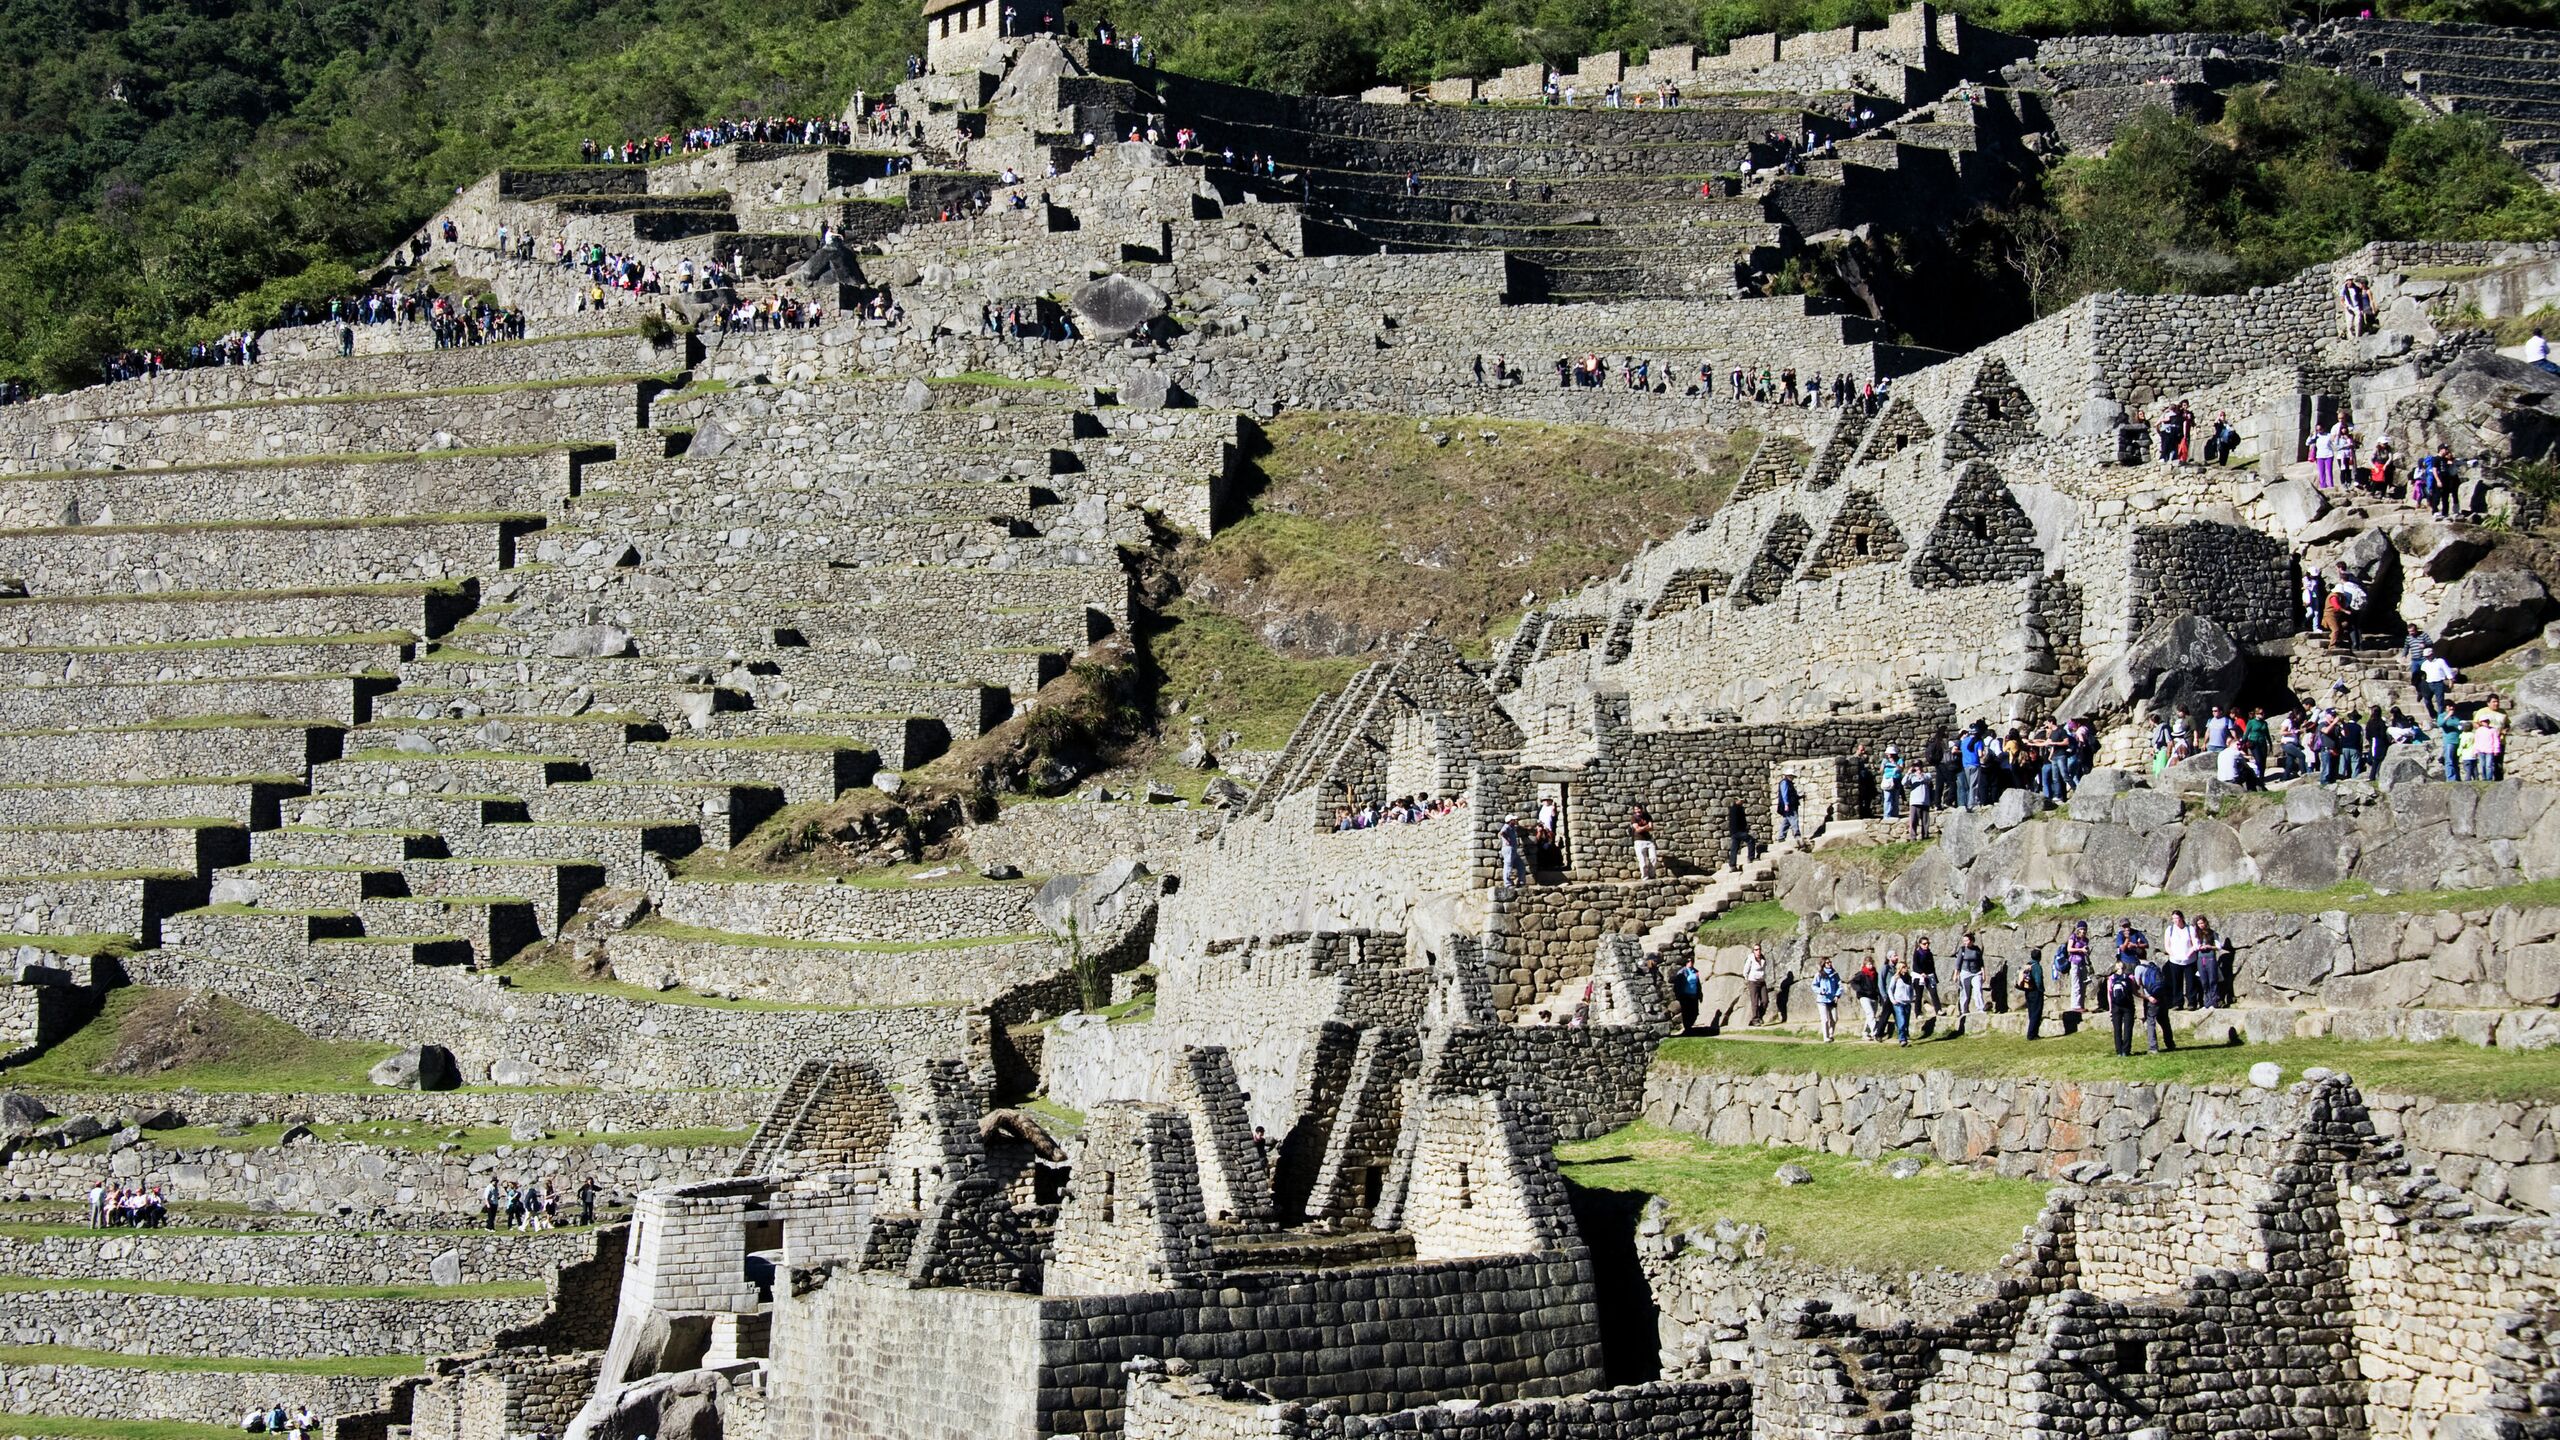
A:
x: 1826, y: 987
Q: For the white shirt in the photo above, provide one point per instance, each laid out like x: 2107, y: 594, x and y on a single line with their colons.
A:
x: 2537, y: 350
x: 2176, y: 941
x: 2227, y: 768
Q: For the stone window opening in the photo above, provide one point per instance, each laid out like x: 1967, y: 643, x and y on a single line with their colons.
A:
x: 2133, y: 1357
x: 1110, y: 1186
x: 1048, y: 1183
x: 1466, y: 1188
x: 915, y: 1188
x: 1373, y: 1187
x: 1991, y: 407
x: 1858, y: 544
x: 1980, y: 527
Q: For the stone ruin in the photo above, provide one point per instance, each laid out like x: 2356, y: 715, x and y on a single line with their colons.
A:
x: 330, y: 686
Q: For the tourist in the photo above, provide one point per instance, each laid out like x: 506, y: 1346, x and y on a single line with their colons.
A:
x: 2177, y: 940
x: 2031, y: 992
x: 1790, y: 807
x: 1870, y: 995
x: 98, y: 1206
x: 2537, y: 352
x: 587, y: 1201
x: 1970, y: 998
x: 1737, y: 825
x: 490, y: 1199
x: 1922, y: 791
x: 1924, y: 975
x: 1826, y: 999
x: 2122, y: 995
x: 2204, y: 966
x: 1755, y: 984
x: 2077, y: 949
x: 1640, y: 829
x: 1901, y: 993
x: 1889, y: 782
x: 1688, y: 989
x: 1515, y: 863
x: 2156, y: 996
x: 2489, y: 725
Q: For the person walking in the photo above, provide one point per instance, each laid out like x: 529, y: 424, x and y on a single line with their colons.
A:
x: 1755, y: 983
x: 1737, y: 827
x: 1870, y: 995
x: 1515, y: 861
x: 489, y: 1201
x: 2155, y: 1006
x: 1640, y: 829
x: 1923, y: 965
x: 2031, y: 992
x: 1687, y: 989
x: 587, y: 1201
x: 1790, y: 807
x: 1826, y: 999
x: 1969, y: 983
x: 2122, y: 994
x: 1900, y: 992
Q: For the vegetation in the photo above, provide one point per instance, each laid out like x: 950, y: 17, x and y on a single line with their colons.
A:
x: 1218, y: 670
x: 385, y: 1367
x: 1367, y: 526
x: 2450, y: 1070
x: 153, y: 1038
x: 1943, y: 1216
x: 2291, y: 174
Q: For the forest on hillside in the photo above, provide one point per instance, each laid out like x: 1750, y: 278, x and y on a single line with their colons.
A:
x: 176, y: 168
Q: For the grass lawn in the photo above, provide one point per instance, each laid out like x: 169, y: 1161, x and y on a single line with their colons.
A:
x: 2449, y: 1069
x: 387, y: 1367
x: 83, y: 1427
x: 1945, y: 1215
x: 240, y: 1050
x: 192, y: 1290
x: 416, y: 1136
x: 1223, y: 673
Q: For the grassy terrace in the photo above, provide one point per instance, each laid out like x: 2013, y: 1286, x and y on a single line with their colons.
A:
x: 2450, y: 1069
x: 379, y: 397
x: 386, y: 1367
x: 301, y: 592
x: 668, y: 929
x: 1943, y: 1216
x: 424, y: 1138
x: 246, y: 1051
x: 1766, y: 919
x: 191, y: 1290
x: 347, y: 522
x: 290, y: 462
x: 546, y: 977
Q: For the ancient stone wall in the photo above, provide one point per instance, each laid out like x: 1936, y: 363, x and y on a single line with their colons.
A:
x: 1066, y: 838
x: 122, y: 1394
x: 265, y: 1326
x: 295, y: 1257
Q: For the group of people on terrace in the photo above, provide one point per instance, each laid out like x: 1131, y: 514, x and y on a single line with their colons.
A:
x: 531, y: 1207
x: 765, y: 129
x: 297, y: 1424
x: 133, y: 1207
x: 1592, y: 370
x: 1403, y: 810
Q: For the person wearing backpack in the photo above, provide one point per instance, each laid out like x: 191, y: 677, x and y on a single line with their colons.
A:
x: 2121, y: 994
x: 1826, y: 995
x: 1790, y: 807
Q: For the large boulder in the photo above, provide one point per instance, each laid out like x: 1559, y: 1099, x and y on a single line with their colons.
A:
x: 2371, y: 559
x: 2187, y: 661
x: 1116, y: 305
x: 833, y: 264
x: 2537, y: 700
x: 22, y: 1113
x: 2441, y: 550
x: 590, y: 642
x: 2487, y: 404
x: 2487, y: 612
x: 420, y: 1067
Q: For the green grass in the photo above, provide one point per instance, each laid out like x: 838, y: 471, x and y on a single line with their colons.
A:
x: 420, y: 1137
x: 547, y: 977
x: 1884, y: 860
x: 670, y: 930
x: 1756, y: 921
x: 261, y: 1054
x: 85, y: 946
x: 83, y: 1427
x: 2450, y: 1070
x: 194, y: 1290
x: 1850, y: 1215
x: 1222, y: 672
x: 385, y: 1367
x: 1370, y: 521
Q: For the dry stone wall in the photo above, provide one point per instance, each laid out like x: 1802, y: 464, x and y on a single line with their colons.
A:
x: 264, y: 1326
x: 287, y: 1258
x: 196, y: 1397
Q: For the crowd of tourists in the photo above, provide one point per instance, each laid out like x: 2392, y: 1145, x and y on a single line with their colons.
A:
x: 531, y: 1207
x: 1764, y: 386
x: 133, y: 1207
x: 765, y: 130
x: 1403, y: 810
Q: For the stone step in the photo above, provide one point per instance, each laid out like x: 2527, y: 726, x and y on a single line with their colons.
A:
x: 849, y: 681
x: 594, y: 735
x: 620, y: 848
x: 715, y: 503
x: 959, y: 540
x: 357, y: 953
x: 238, y: 657
x: 805, y: 911
x: 309, y: 885
x: 493, y: 927
x: 123, y: 620
x: 901, y: 742
x: 759, y: 582
x: 802, y: 972
x: 263, y: 555
x: 256, y: 931
x: 337, y: 700
x: 552, y: 887
x: 193, y: 848
x: 254, y: 804
x: 215, y: 745
x: 122, y: 903
x: 526, y: 482
x: 723, y: 812
x: 385, y: 773
x: 381, y: 847
x: 802, y: 767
